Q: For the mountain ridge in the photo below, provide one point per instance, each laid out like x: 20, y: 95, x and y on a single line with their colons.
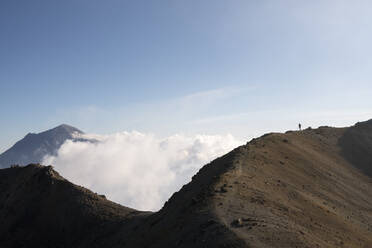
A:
x: 35, y: 146
x: 297, y: 189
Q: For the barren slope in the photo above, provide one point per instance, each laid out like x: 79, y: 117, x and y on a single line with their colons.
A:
x: 300, y: 189
x: 38, y: 208
x: 281, y: 190
x: 296, y: 190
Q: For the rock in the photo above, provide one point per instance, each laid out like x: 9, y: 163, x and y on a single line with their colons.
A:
x: 223, y: 189
x: 237, y: 223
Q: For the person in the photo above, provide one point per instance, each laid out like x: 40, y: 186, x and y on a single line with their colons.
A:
x: 299, y: 126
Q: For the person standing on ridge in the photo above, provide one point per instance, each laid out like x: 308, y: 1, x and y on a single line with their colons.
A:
x: 299, y: 126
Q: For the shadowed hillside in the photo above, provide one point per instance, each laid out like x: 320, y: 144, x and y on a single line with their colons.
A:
x: 38, y: 208
x: 356, y: 146
x: 299, y: 189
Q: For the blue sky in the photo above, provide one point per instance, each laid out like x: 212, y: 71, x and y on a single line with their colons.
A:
x: 240, y: 67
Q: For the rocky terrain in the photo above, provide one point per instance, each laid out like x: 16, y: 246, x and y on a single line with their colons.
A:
x: 33, y: 147
x: 308, y: 188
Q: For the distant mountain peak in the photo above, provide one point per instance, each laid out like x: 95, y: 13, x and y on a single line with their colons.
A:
x: 35, y: 146
x: 66, y: 128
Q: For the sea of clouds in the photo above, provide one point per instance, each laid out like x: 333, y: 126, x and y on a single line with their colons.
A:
x: 136, y: 169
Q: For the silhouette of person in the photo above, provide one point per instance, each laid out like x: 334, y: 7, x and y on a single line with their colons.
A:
x: 299, y: 126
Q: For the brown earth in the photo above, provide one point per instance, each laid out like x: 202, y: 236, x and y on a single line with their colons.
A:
x: 309, y: 188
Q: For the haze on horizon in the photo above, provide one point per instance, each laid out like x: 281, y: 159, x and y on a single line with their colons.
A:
x: 183, y: 67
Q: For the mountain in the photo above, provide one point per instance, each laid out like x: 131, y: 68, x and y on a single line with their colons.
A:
x: 38, y: 208
x: 33, y: 147
x: 310, y: 188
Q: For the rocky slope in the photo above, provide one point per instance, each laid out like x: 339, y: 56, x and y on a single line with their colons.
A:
x: 33, y: 147
x: 299, y: 189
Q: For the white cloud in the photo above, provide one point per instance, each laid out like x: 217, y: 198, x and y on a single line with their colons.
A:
x: 136, y: 169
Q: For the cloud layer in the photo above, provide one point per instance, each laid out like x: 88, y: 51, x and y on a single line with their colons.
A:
x: 136, y: 169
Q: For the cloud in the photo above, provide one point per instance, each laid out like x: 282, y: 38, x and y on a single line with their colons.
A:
x: 136, y: 169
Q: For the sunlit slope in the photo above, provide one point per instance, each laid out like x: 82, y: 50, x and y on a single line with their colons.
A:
x: 308, y: 188
x: 298, y: 190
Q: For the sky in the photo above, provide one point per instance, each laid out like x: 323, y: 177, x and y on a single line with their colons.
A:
x: 188, y: 67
